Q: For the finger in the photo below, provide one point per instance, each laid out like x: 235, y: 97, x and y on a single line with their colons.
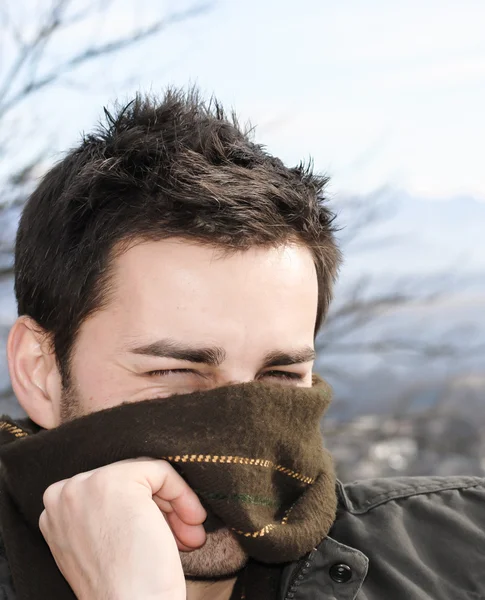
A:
x: 159, y: 476
x: 44, y: 523
x: 183, y: 500
x: 188, y: 537
x: 168, y: 485
x: 180, y: 546
x: 163, y: 505
x: 183, y: 548
x: 52, y: 493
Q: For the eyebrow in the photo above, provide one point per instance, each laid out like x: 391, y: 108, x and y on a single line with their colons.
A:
x: 169, y: 348
x: 293, y: 357
x: 215, y: 356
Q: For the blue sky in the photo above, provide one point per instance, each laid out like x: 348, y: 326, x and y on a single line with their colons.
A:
x: 377, y: 92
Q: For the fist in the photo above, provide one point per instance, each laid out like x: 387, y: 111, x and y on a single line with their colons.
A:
x: 115, y: 532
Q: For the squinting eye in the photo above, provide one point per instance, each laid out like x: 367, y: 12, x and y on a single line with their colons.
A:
x: 165, y: 372
x: 284, y: 375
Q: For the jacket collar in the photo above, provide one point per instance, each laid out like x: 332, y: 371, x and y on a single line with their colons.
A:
x: 330, y: 570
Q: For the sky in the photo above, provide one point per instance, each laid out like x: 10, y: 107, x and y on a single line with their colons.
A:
x: 378, y: 92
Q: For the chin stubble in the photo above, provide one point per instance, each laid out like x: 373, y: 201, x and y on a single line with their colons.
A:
x: 221, y: 557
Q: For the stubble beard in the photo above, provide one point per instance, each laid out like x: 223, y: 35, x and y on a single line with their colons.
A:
x: 220, y: 557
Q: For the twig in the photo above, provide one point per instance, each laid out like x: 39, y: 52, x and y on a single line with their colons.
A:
x: 90, y: 54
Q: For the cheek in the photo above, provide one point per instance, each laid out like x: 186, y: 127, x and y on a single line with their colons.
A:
x: 97, y: 380
x: 147, y: 389
x: 101, y: 384
x: 95, y: 385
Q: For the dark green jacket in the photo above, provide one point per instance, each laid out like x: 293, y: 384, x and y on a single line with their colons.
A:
x: 415, y: 538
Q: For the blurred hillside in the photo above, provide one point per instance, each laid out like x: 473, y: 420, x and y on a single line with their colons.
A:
x: 417, y: 407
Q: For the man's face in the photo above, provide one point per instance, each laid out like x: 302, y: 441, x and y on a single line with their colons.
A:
x: 181, y: 317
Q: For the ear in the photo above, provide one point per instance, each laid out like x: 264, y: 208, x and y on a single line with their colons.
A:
x: 34, y: 374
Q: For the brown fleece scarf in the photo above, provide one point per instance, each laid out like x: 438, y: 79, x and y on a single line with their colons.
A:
x: 252, y: 452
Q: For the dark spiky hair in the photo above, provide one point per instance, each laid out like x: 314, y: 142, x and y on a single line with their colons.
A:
x: 158, y: 168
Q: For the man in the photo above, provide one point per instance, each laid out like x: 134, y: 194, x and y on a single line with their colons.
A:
x: 169, y: 259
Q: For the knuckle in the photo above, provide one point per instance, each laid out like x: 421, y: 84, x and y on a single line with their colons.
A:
x: 43, y: 522
x: 101, y: 482
x: 51, y: 495
x: 165, y: 467
x: 69, y: 493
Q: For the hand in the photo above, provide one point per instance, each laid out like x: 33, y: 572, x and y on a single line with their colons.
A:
x: 108, y: 535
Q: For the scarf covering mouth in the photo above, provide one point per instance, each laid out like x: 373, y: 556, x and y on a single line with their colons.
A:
x: 253, y: 453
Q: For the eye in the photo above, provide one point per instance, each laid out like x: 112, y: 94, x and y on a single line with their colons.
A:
x: 165, y: 372
x: 285, y: 375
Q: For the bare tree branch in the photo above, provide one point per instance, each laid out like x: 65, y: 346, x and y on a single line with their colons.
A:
x: 83, y: 57
x: 54, y: 21
x: 362, y: 213
x: 9, y: 24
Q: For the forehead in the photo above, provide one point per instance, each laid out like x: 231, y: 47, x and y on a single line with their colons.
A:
x: 188, y: 288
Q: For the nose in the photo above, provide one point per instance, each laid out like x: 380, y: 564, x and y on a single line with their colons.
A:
x: 235, y: 376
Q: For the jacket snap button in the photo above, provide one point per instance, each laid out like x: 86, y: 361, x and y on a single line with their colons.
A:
x: 340, y: 573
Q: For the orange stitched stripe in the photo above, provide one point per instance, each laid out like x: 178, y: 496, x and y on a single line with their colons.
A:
x: 267, y: 528
x: 241, y: 460
x: 16, y: 431
x: 284, y: 520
